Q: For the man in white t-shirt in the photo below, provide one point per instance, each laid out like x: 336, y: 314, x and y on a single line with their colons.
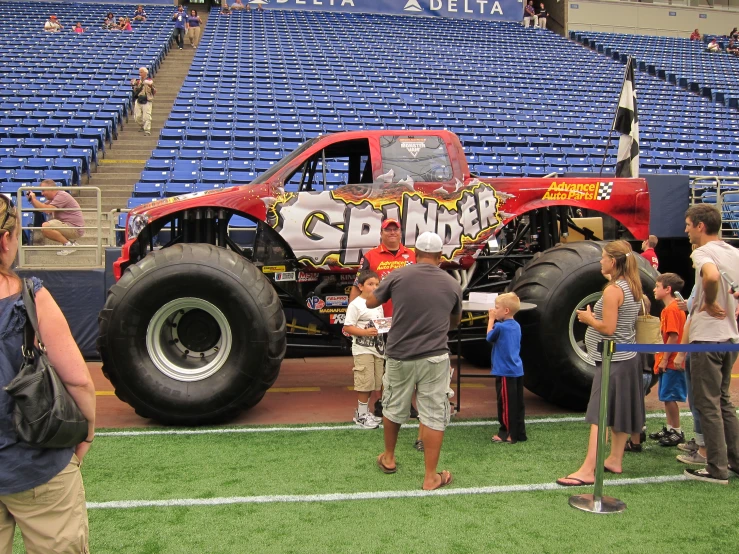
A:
x: 711, y: 321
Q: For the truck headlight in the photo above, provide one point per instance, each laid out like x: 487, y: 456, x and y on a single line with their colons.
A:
x: 136, y: 224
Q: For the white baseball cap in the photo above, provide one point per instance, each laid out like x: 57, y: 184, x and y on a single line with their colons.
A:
x: 430, y: 243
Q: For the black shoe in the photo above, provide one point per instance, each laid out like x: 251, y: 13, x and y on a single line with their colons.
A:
x: 418, y: 445
x: 631, y: 447
x: 643, y: 436
x: 414, y: 412
x: 378, y: 408
x: 659, y: 435
x: 673, y: 438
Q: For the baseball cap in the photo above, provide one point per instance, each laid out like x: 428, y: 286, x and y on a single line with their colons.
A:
x: 388, y: 222
x: 52, y: 17
x: 429, y: 242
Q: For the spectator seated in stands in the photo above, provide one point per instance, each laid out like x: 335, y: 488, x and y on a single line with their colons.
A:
x: 732, y: 47
x: 109, y: 22
x: 257, y: 2
x: 52, y: 25
x: 238, y: 5
x: 713, y: 46
x: 695, y: 35
x: 78, y: 28
x: 139, y: 14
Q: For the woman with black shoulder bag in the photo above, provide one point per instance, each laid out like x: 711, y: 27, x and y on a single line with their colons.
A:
x: 40, y: 487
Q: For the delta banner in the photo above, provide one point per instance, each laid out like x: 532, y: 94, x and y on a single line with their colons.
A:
x: 489, y: 10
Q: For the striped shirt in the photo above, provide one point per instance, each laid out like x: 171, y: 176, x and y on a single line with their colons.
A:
x: 625, y: 326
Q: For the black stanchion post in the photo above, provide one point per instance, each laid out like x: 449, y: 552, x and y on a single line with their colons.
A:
x: 596, y: 502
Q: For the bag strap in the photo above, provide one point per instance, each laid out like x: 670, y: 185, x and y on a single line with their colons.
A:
x: 31, y: 331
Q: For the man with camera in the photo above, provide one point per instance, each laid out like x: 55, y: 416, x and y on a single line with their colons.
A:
x: 143, y: 97
x: 66, y: 223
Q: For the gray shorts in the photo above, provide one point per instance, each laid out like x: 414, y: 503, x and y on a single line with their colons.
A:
x: 429, y: 377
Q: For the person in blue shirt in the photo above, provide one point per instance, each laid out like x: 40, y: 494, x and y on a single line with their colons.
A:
x: 505, y: 334
x: 180, y: 22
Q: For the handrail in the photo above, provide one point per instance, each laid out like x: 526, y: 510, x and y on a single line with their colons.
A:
x: 20, y: 193
x: 112, y: 239
x: 721, y: 185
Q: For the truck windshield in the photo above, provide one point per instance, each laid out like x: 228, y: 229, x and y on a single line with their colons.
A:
x: 284, y: 161
x: 422, y: 158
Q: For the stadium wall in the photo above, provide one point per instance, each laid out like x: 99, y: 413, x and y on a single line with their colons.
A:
x: 648, y: 19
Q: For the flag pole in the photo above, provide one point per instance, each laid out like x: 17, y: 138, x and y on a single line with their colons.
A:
x: 615, y: 115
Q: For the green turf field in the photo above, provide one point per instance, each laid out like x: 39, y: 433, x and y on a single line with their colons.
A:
x: 237, y: 467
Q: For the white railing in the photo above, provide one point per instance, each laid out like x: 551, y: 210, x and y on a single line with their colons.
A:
x: 723, y: 192
x: 113, y: 231
x: 24, y: 248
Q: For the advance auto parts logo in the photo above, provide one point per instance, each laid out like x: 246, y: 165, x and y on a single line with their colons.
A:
x: 334, y: 228
x: 600, y: 190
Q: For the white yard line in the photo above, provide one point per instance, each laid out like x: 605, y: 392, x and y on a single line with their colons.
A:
x: 230, y: 430
x: 381, y: 495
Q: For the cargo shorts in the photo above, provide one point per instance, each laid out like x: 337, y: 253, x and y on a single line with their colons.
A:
x: 52, y: 516
x: 368, y: 370
x: 429, y: 377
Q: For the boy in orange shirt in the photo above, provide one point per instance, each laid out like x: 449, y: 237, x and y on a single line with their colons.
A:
x: 673, y: 387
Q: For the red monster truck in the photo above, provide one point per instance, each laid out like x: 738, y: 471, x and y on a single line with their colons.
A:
x: 212, y: 286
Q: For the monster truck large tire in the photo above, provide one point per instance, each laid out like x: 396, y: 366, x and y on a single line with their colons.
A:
x: 191, y: 335
x: 561, y: 281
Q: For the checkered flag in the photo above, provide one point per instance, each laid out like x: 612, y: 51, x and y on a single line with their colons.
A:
x: 604, y: 190
x: 627, y: 123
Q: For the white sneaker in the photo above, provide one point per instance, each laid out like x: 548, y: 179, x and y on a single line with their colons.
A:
x: 374, y: 418
x: 67, y: 250
x: 366, y: 421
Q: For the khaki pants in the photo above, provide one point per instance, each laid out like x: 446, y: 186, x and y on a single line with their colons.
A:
x: 52, y: 517
x: 142, y: 115
x: 193, y: 35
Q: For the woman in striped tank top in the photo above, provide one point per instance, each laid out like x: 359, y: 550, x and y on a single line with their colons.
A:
x: 614, y: 317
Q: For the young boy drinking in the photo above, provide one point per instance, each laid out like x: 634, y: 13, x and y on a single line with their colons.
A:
x: 505, y: 334
x: 368, y: 348
x: 672, y: 384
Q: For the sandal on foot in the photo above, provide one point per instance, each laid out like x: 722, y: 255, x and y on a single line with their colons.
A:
x: 497, y: 439
x: 631, y: 447
x: 563, y: 482
x: 444, y: 480
x: 383, y: 467
x: 608, y: 470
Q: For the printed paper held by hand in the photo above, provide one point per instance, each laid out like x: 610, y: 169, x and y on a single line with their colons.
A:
x: 383, y: 324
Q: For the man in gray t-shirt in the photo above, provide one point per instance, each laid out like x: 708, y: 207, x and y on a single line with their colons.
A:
x: 712, y: 321
x: 427, y: 302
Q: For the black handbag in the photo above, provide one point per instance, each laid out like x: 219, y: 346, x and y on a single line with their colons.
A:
x: 45, y: 414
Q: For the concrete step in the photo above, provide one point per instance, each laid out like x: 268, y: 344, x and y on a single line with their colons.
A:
x: 48, y: 258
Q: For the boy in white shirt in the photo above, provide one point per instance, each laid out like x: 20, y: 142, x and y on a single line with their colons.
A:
x: 368, y: 348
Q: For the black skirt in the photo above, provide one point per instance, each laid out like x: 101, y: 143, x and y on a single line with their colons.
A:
x: 625, y: 396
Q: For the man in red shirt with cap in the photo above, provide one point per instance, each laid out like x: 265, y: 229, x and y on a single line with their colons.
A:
x: 383, y: 259
x: 390, y: 255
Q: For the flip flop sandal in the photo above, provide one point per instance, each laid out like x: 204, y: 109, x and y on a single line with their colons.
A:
x: 444, y: 482
x: 607, y: 470
x: 578, y: 482
x: 496, y: 439
x: 384, y: 468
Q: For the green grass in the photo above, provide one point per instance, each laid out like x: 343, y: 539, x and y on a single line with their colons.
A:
x: 700, y: 516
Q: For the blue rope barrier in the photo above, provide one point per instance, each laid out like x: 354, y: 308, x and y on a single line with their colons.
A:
x: 694, y: 347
